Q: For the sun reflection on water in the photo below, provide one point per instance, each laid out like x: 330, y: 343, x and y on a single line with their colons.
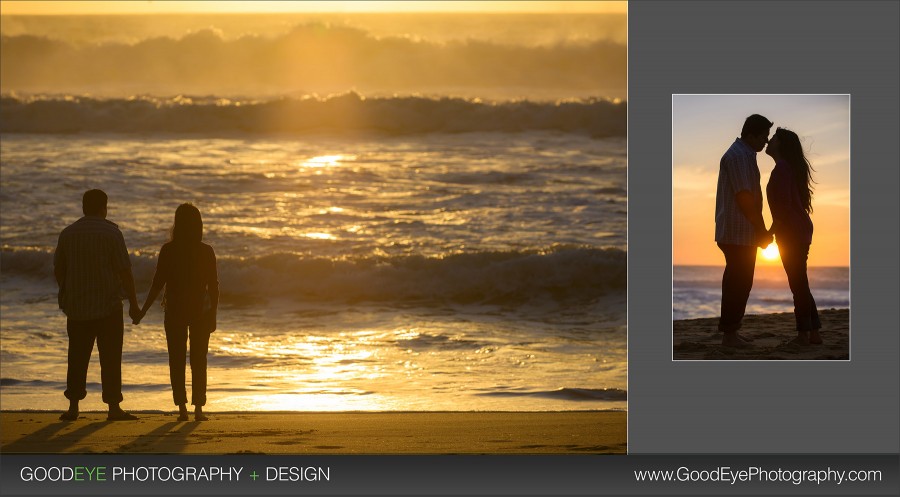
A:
x: 328, y: 160
x: 366, y: 369
x: 320, y: 373
x: 320, y: 236
x: 320, y: 401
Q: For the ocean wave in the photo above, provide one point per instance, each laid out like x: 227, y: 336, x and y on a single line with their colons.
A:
x: 576, y: 394
x: 821, y: 282
x: 561, y: 274
x: 311, y: 57
x: 784, y: 300
x: 15, y: 382
x: 349, y: 113
x: 91, y: 386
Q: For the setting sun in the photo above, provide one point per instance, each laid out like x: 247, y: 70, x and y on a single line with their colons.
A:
x: 771, y: 252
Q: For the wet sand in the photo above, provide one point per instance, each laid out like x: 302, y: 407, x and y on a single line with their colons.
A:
x: 582, y: 432
x: 698, y: 339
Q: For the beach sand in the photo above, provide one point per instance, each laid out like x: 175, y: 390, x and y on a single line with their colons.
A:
x: 581, y: 432
x: 698, y: 339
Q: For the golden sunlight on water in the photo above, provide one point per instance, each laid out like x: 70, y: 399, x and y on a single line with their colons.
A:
x: 328, y: 160
x: 320, y: 236
x: 322, y: 402
x: 312, y: 362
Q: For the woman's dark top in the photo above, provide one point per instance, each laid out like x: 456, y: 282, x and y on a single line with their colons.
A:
x: 790, y: 221
x: 189, y: 274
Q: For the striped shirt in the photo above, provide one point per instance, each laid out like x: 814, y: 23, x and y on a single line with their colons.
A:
x: 90, y: 255
x: 738, y: 172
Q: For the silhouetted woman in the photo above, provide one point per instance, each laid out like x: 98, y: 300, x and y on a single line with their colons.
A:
x: 187, y: 269
x: 789, y: 192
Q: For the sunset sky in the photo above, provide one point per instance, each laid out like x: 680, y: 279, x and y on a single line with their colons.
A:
x: 704, y: 126
x: 207, y: 7
x: 496, y: 50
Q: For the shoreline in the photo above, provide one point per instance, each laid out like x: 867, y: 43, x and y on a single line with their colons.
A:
x: 771, y: 334
x: 362, y: 433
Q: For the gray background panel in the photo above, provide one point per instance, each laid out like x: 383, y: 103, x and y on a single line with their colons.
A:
x: 765, y: 407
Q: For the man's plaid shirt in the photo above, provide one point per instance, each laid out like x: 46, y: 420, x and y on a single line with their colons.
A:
x: 738, y: 172
x: 91, y: 255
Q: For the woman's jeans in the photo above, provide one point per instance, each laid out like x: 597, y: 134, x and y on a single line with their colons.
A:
x: 793, y: 258
x: 177, y: 338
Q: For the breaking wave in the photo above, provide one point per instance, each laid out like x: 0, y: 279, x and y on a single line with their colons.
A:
x: 570, y: 275
x: 343, y: 114
x: 575, y: 394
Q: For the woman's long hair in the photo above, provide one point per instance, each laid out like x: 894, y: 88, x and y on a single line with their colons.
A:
x: 188, y: 227
x: 792, y: 151
x: 187, y: 232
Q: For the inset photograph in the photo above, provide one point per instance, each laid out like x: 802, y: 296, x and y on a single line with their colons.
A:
x: 761, y: 227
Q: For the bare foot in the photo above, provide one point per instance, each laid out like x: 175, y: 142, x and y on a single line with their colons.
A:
x: 733, y: 340
x: 120, y: 415
x: 815, y: 338
x: 69, y: 415
x: 72, y: 413
x: 802, y: 338
x: 199, y: 416
x: 744, y: 338
x: 182, y: 413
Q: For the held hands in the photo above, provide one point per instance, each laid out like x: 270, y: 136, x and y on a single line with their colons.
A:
x: 136, y: 314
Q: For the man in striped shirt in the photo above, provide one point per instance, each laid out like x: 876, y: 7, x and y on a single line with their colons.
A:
x: 739, y: 223
x: 93, y: 272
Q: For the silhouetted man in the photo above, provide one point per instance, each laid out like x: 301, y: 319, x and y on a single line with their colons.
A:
x: 739, y: 223
x: 93, y: 272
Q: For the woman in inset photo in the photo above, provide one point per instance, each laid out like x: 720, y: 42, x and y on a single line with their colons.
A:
x: 790, y: 193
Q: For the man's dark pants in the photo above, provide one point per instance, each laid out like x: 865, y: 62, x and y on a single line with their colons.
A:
x: 737, y: 280
x: 108, y: 332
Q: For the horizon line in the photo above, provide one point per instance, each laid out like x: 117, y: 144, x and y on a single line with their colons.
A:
x: 759, y: 265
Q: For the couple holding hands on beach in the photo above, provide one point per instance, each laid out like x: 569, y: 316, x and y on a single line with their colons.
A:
x: 740, y: 228
x: 93, y: 270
